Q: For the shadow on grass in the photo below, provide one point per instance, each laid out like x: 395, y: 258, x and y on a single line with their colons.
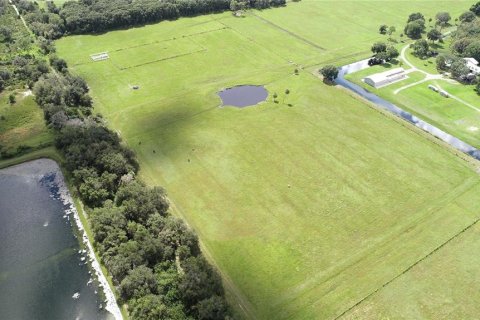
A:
x: 169, y: 132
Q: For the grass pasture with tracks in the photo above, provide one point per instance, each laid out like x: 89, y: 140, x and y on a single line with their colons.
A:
x: 315, y: 207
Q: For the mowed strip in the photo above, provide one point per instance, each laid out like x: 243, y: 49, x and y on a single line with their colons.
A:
x: 308, y: 208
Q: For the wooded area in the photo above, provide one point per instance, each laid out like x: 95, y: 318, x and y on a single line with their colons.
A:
x: 93, y: 16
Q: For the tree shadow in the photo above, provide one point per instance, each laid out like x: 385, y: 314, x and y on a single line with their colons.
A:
x: 437, y: 46
x: 329, y: 82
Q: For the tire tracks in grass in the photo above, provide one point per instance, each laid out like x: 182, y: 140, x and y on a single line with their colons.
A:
x: 361, y: 255
x: 436, y: 249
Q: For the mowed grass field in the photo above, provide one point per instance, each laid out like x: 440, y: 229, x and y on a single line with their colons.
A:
x: 307, y: 210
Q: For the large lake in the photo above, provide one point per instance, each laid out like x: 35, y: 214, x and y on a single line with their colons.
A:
x: 43, y: 274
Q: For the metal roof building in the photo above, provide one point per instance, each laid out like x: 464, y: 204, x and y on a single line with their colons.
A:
x: 385, y: 78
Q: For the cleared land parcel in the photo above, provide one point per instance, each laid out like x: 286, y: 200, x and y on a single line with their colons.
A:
x: 306, y: 209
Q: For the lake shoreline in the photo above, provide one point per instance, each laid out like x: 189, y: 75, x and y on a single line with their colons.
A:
x: 50, y: 170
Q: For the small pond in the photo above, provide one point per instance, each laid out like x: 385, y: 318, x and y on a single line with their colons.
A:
x: 243, y: 96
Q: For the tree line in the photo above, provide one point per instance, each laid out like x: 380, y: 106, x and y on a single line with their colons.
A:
x: 19, y: 65
x: 94, y: 16
x: 465, y: 44
x: 154, y: 259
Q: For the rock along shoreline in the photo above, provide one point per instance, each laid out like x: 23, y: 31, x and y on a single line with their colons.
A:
x: 42, y: 168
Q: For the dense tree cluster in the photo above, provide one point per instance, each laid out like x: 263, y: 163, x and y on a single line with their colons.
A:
x: 329, y: 73
x: 45, y: 23
x: 421, y: 48
x: 467, y: 39
x: 382, y: 53
x: 63, y: 97
x: 154, y: 259
x: 93, y: 16
x: 85, y: 16
x: 415, y: 26
x: 18, y: 65
x: 465, y: 44
x: 476, y: 8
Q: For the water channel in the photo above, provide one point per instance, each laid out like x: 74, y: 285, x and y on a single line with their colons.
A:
x: 386, y: 105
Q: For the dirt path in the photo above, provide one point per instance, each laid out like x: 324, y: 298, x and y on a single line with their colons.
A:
x: 461, y: 101
x: 19, y: 15
x: 428, y: 77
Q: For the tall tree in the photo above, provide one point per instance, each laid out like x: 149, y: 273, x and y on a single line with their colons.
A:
x: 379, y: 47
x: 414, y: 29
x: 476, y: 8
x: 415, y: 17
x: 442, y: 19
x: 473, y: 50
x: 329, y: 73
x: 467, y: 16
x: 434, y: 35
x: 420, y: 48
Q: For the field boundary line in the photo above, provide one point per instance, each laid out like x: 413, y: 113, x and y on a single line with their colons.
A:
x: 332, y: 60
x: 156, y: 42
x: 422, y: 218
x: 313, y: 44
x: 163, y: 59
x: 167, y: 40
x: 409, y: 268
x: 240, y: 298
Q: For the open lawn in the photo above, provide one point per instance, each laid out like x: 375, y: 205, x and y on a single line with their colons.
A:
x: 22, y: 124
x: 306, y: 209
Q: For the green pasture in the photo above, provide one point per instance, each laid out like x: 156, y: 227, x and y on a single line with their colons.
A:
x: 447, y: 281
x: 307, y: 205
x: 448, y: 114
x: 21, y: 123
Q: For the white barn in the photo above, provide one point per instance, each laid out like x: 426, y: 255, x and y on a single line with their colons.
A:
x: 472, y: 64
x: 385, y: 78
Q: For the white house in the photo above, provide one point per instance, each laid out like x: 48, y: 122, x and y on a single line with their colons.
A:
x: 472, y: 64
x: 385, y: 78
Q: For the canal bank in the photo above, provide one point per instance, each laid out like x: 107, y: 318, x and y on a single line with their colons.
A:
x: 397, y: 111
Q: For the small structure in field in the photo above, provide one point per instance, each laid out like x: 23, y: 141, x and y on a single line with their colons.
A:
x: 472, y: 64
x: 444, y: 93
x: 99, y: 56
x: 433, y: 88
x: 381, y: 79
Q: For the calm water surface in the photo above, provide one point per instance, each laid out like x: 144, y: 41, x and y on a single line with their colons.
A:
x: 243, y: 96
x: 40, y: 264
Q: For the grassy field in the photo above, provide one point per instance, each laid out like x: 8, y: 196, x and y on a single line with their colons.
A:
x: 452, y: 116
x: 43, y: 3
x: 21, y: 123
x: 306, y: 210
